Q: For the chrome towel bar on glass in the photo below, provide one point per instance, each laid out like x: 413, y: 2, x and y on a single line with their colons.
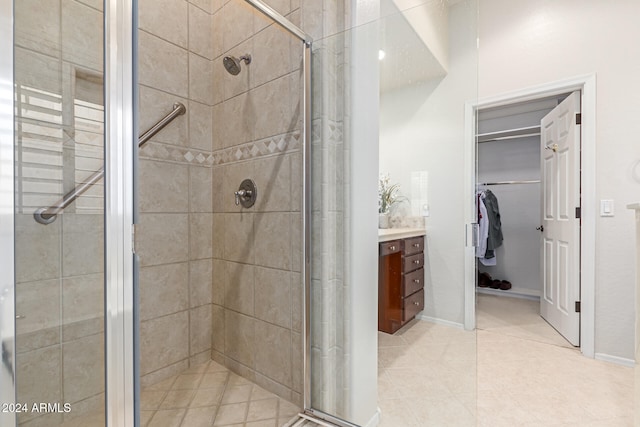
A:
x: 48, y: 215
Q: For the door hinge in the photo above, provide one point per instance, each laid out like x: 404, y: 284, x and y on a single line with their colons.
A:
x: 578, y: 212
x: 578, y: 118
x: 577, y: 306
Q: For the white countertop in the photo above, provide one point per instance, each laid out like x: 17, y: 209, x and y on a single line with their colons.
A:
x: 634, y: 206
x: 386, y: 234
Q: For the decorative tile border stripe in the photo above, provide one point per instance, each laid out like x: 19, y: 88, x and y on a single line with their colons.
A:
x: 266, y: 147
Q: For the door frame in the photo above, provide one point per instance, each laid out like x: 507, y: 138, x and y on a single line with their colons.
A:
x: 586, y: 84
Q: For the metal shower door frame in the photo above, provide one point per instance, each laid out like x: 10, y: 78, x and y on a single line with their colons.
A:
x: 7, y: 196
x: 307, y: 43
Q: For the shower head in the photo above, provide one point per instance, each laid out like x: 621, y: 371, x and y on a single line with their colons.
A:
x: 232, y: 64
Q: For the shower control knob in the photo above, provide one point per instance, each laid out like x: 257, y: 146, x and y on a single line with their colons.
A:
x: 246, y: 194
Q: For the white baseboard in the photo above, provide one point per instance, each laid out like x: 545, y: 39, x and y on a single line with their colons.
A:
x: 440, y: 321
x: 523, y: 293
x: 615, y: 359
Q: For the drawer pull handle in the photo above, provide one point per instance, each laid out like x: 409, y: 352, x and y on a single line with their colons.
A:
x: 416, y: 280
x: 416, y: 245
x: 392, y: 248
x: 417, y: 261
x: 416, y: 303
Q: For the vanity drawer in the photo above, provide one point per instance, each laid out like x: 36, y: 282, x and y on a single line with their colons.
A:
x: 414, y: 245
x: 413, y: 282
x: 413, y: 305
x: 413, y: 262
x: 390, y: 247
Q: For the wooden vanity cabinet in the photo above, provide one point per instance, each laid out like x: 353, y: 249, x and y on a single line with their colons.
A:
x: 400, y: 282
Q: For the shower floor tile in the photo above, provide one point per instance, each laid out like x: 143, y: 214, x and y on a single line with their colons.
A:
x: 210, y: 395
x: 206, y: 395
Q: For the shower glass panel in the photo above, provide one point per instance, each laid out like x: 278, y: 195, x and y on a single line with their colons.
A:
x: 220, y: 284
x: 59, y: 268
x: 429, y: 70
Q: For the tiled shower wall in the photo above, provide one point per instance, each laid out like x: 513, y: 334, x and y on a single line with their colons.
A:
x: 257, y: 289
x: 174, y: 236
x: 196, y: 246
x: 59, y: 267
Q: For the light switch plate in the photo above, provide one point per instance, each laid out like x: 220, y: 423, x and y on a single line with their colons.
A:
x: 606, y: 208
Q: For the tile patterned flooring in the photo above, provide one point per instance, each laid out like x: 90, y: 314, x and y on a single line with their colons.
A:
x: 210, y: 395
x: 524, y: 374
x: 515, y: 370
x: 206, y: 395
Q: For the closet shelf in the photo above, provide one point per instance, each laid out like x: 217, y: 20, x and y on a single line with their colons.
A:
x: 508, y: 134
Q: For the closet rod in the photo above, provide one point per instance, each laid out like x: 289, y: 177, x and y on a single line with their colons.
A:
x: 510, y: 182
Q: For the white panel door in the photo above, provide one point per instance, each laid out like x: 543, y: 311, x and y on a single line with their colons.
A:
x: 560, y: 163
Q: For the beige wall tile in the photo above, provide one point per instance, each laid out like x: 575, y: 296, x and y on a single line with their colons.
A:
x: 38, y: 26
x: 163, y: 290
x: 206, y: 5
x: 154, y: 105
x: 297, y: 246
x: 82, y: 298
x: 272, y: 55
x: 200, y: 328
x: 200, y: 81
x: 82, y: 244
x: 238, y: 287
x: 273, y: 352
x: 162, y: 238
x: 297, y: 362
x: 166, y: 19
x: 234, y: 121
x: 239, y: 237
x: 217, y: 4
x: 237, y: 23
x: 37, y: 339
x: 219, y: 331
x: 162, y: 65
x: 96, y: 4
x: 200, y: 235
x: 200, y: 32
x: 217, y: 26
x: 272, y: 101
x: 83, y: 368
x: 37, y: 249
x: 163, y: 187
x: 77, y: 330
x: 218, y: 235
x: 273, y: 240
x: 200, y: 125
x: 164, y: 341
x: 296, y: 181
x: 273, y: 178
x: 219, y: 278
x: 40, y: 376
x: 38, y: 304
x: 218, y: 188
x: 200, y: 282
x: 239, y: 337
x: 82, y: 35
x: 297, y: 301
x: 273, y: 296
x: 38, y: 71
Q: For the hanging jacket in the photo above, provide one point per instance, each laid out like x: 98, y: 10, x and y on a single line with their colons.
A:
x: 494, y: 239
